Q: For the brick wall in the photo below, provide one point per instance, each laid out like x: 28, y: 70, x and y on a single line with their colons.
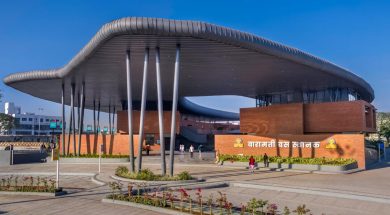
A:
x: 150, y: 123
x: 329, y: 117
x: 349, y: 146
x: 275, y: 119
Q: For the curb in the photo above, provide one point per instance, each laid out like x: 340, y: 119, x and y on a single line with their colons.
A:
x: 33, y: 193
x: 145, y: 207
x: 95, y: 180
x: 48, y: 173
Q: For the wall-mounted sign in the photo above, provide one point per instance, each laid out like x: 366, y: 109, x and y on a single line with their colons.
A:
x: 331, y: 144
x: 53, y: 125
x: 239, y: 143
x: 283, y: 144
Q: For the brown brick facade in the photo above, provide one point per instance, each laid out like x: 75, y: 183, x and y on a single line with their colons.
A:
x: 348, y: 146
x: 150, y: 123
x: 330, y: 117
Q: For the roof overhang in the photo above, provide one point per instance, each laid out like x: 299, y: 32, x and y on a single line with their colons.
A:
x: 215, y: 60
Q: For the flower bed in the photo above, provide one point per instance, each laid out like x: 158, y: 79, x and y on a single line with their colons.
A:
x: 289, y: 160
x: 193, y: 202
x: 28, y: 184
x: 148, y: 175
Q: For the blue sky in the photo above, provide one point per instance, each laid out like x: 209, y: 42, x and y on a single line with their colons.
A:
x: 352, y: 34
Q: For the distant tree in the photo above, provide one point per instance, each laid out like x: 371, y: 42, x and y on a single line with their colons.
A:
x: 383, y: 125
x: 6, y: 121
x: 384, y: 130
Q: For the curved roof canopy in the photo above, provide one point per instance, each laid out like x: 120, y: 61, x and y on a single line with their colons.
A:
x: 214, y: 60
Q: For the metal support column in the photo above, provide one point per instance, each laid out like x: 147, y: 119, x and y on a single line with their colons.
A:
x: 73, y: 117
x: 113, y: 120
x: 174, y: 109
x: 63, y: 119
x: 94, y: 117
x: 143, y: 106
x: 160, y: 112
x: 130, y: 112
x: 98, y: 118
x: 109, y: 118
x: 81, y: 122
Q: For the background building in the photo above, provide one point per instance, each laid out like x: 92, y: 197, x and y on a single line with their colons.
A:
x: 30, y: 123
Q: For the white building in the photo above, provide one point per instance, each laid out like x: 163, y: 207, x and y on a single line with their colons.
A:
x: 10, y: 108
x: 32, y: 124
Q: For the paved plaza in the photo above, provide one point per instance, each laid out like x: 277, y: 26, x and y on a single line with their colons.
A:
x: 366, y: 192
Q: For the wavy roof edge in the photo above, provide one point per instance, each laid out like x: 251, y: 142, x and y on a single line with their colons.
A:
x: 197, y: 29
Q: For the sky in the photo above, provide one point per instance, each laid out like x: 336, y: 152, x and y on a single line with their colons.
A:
x: 47, y: 34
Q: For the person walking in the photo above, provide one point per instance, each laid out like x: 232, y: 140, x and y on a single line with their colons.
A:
x: 200, y: 151
x: 265, y: 158
x: 192, y: 151
x: 252, y: 164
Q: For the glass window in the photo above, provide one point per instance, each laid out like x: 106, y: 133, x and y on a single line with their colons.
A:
x: 41, y: 120
x: 24, y: 119
x: 30, y: 119
x: 149, y: 139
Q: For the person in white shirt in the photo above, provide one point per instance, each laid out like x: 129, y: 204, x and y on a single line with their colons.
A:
x: 192, y: 151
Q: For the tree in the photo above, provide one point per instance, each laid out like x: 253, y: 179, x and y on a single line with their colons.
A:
x: 6, y: 121
x: 384, y: 130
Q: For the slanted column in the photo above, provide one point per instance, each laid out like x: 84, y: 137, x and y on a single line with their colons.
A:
x: 94, y: 117
x: 160, y: 112
x: 130, y: 112
x: 109, y: 118
x: 63, y: 118
x: 98, y: 118
x: 143, y: 106
x: 73, y: 117
x: 81, y: 121
x: 113, y: 120
x: 174, y: 109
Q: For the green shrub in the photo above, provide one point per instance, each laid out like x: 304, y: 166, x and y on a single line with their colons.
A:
x: 184, y: 176
x: 121, y: 170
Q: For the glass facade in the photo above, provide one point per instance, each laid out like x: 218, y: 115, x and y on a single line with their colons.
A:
x: 318, y: 96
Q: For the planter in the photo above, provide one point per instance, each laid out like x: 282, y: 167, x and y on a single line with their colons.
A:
x: 328, y: 168
x: 306, y: 167
x: 94, y: 160
x: 155, y: 182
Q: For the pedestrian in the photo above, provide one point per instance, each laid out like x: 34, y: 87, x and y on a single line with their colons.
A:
x: 265, y: 158
x: 191, y: 151
x: 42, y: 148
x: 200, y: 151
x: 252, y: 164
x: 147, y: 149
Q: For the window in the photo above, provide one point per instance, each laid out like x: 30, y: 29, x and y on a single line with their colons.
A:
x: 149, y: 139
x: 41, y: 120
x: 24, y: 119
x: 47, y: 120
x: 30, y: 119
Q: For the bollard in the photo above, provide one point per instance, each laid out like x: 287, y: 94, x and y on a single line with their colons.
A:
x: 11, y: 162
